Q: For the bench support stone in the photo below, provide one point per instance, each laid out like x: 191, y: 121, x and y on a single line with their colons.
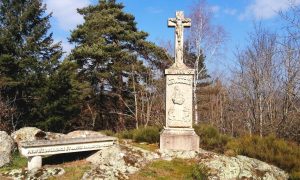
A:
x: 34, y: 162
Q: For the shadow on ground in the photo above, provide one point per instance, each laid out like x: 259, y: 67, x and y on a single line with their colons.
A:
x: 65, y: 158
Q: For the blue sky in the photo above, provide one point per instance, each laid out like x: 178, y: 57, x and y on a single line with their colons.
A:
x: 236, y: 16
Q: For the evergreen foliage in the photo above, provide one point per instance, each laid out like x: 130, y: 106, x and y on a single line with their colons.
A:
x: 61, y: 98
x: 112, y: 54
x: 43, y: 90
x: 27, y: 53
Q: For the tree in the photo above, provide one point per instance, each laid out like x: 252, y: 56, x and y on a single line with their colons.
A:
x: 290, y: 52
x: 27, y: 53
x: 204, y: 40
x: 114, y: 57
x: 61, y: 99
x: 257, y: 77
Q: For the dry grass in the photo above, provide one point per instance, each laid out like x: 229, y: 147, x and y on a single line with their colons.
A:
x: 148, y: 147
x: 74, y: 170
x: 176, y: 169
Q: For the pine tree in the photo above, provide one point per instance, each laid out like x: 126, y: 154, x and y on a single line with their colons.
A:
x: 112, y: 53
x: 27, y: 54
x: 61, y: 99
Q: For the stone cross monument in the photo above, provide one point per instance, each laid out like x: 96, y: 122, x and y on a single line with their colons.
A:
x: 178, y: 134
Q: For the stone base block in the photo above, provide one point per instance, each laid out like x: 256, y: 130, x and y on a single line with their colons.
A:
x: 34, y: 163
x: 179, y: 139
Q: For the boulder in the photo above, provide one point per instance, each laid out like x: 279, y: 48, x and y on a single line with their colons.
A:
x: 6, y: 148
x: 83, y: 134
x: 28, y: 134
x: 53, y: 136
x: 240, y: 167
x: 118, y: 162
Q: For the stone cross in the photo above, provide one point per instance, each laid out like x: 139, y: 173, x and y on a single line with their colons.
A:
x: 179, y: 23
x: 178, y: 134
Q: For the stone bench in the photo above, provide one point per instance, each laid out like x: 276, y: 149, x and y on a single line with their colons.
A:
x: 34, y: 150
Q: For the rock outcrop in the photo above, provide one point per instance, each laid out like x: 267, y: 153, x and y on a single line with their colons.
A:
x: 41, y: 174
x: 6, y: 148
x: 240, y: 167
x: 33, y: 133
x: 82, y: 133
x: 118, y: 162
x: 52, y: 135
x: 28, y: 134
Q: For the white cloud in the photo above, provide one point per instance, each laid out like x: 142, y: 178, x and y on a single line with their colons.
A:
x: 65, y: 12
x: 266, y: 9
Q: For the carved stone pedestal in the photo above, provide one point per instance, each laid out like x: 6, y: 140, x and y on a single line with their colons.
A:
x: 179, y: 139
x: 178, y: 133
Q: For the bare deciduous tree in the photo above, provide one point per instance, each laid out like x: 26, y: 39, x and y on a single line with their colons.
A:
x: 203, y: 37
x: 257, y: 79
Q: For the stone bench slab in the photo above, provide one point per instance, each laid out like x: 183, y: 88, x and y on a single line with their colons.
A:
x: 49, y: 147
x: 34, y: 150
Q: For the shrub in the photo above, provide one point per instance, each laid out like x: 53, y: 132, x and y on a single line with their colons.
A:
x: 210, y: 138
x: 147, y: 134
x: 283, y: 154
x: 108, y: 132
x: 127, y: 134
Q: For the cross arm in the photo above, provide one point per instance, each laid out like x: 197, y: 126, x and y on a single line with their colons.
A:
x: 171, y: 22
x: 187, y: 22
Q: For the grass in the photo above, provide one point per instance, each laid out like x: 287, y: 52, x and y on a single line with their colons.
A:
x: 148, y: 147
x: 73, y: 171
x: 17, y: 162
x: 171, y: 170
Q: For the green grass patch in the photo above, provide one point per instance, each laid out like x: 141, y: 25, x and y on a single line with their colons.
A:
x: 171, y: 170
x: 17, y: 162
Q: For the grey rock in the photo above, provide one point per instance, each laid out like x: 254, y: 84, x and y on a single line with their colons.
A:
x: 83, y: 133
x: 41, y: 174
x: 118, y: 162
x: 171, y: 154
x: 7, y: 145
x: 28, y: 134
x: 53, y: 136
x: 240, y: 167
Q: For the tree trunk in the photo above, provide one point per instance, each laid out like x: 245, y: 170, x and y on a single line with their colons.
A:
x: 260, y: 116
